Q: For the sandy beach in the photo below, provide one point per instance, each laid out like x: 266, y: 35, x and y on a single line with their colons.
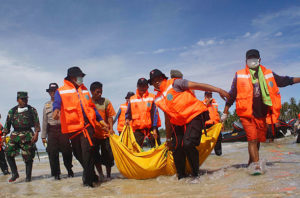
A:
x: 224, y: 176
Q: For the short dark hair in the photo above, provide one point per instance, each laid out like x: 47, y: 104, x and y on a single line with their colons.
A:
x: 96, y: 85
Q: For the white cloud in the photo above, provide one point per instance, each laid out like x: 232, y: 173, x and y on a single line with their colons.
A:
x: 247, y: 34
x: 278, y: 34
x: 159, y: 51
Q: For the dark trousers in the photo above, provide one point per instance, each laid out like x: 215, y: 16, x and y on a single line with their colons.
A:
x: 3, y: 164
x: 218, y: 146
x: 106, y: 157
x: 141, y: 134
x: 84, y: 152
x: 58, y: 142
x: 184, y: 142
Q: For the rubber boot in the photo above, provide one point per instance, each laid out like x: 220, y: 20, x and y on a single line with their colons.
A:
x: 13, y: 167
x: 28, y: 171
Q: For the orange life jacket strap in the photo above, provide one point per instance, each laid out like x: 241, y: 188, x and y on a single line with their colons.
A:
x: 85, y: 133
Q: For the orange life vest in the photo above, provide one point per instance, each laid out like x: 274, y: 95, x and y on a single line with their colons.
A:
x: 181, y: 107
x: 141, y: 110
x: 71, y: 116
x: 244, y: 98
x: 121, y: 119
x: 212, y: 107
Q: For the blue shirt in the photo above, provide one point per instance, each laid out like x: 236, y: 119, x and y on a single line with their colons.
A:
x: 57, y: 105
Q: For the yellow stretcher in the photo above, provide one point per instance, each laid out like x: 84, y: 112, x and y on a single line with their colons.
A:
x: 134, y: 163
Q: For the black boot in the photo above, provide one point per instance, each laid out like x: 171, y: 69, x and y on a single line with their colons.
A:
x: 13, y: 167
x: 57, y: 177
x: 70, y: 173
x: 28, y: 171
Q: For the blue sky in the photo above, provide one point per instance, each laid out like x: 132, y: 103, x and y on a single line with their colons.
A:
x: 117, y: 42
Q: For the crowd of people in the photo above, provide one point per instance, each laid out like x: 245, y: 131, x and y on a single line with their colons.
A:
x: 76, y: 123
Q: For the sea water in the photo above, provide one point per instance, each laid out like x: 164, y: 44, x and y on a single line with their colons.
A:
x: 221, y: 176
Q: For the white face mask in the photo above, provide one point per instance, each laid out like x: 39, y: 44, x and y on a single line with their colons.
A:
x: 253, y: 63
x: 79, y: 81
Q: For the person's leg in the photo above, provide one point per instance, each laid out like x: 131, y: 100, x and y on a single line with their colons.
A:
x: 28, y: 152
x: 253, y: 151
x: 218, y: 146
x: 177, y: 150
x: 97, y: 158
x: 139, y: 137
x: 65, y: 147
x: 3, y: 163
x: 191, y: 139
x: 107, y: 157
x: 53, y: 150
x: 12, y: 150
x: 88, y: 158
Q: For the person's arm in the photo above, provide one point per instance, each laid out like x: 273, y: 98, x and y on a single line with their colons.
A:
x: 233, y: 94
x: 56, y: 106
x: 207, y: 87
x: 37, y: 127
x: 111, y: 113
x: 128, y: 115
x: 8, y: 123
x: 283, y: 81
x: 154, y: 118
x: 117, y: 116
x: 168, y: 131
x: 45, y: 125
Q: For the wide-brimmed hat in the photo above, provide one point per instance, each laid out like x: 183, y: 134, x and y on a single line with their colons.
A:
x: 156, y: 73
x: 75, y: 72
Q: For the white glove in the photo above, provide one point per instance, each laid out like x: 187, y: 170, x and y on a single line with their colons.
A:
x: 224, y: 117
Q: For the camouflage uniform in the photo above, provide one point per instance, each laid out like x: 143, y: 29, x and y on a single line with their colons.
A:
x: 21, y: 137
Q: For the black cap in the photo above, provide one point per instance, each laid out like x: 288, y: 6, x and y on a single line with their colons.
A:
x: 129, y: 94
x: 75, y: 72
x: 155, y: 73
x: 253, y: 53
x: 142, y: 81
x: 52, y: 87
x: 208, y: 93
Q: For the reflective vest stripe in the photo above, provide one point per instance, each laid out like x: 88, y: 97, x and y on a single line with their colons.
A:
x: 67, y: 91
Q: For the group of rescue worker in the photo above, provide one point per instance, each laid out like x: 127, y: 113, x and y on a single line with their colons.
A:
x: 74, y: 121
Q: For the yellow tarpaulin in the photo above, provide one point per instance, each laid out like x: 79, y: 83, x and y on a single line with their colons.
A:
x: 134, y: 163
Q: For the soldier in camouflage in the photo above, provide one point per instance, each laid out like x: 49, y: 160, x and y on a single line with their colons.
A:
x: 22, y: 117
x: 3, y: 164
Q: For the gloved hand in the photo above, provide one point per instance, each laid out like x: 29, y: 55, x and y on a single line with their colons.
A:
x: 224, y: 117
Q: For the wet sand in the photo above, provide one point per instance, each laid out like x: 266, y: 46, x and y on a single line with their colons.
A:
x: 224, y: 176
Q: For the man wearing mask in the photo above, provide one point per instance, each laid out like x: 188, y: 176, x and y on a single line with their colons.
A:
x: 255, y: 89
x: 121, y: 113
x: 143, y: 114
x: 22, y: 117
x: 214, y: 116
x: 78, y: 117
x: 57, y: 141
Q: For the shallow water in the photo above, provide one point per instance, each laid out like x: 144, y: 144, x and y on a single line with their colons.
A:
x: 224, y: 176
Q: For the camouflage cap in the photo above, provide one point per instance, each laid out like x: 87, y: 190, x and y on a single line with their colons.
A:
x: 22, y: 94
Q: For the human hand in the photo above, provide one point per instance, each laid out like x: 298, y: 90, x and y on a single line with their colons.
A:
x: 35, y: 137
x: 56, y: 114
x: 155, y: 135
x: 224, y: 94
x: 44, y: 142
x: 224, y: 117
x: 127, y: 122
